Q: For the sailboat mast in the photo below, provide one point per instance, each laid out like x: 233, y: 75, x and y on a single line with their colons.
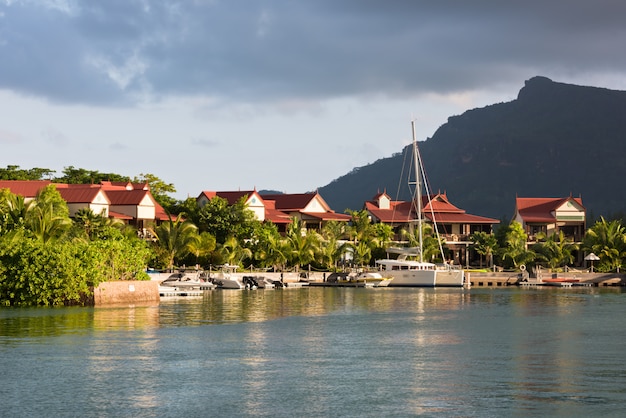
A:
x: 418, y: 191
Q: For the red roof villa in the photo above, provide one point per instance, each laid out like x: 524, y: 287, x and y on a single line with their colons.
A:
x: 454, y: 224
x: 551, y: 215
x: 130, y: 202
x: 281, y: 208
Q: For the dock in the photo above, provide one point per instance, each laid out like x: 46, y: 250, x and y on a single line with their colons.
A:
x: 176, y: 292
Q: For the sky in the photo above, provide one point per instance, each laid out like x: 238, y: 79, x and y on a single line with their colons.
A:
x: 285, y: 95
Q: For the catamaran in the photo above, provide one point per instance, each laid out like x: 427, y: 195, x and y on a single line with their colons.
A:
x: 416, y: 272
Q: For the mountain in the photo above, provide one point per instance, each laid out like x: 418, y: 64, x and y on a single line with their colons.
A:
x: 554, y: 140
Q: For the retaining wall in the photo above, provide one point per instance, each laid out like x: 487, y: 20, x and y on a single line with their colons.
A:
x: 511, y: 278
x: 126, y: 291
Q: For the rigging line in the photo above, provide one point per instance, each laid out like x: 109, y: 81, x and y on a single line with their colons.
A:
x: 405, y: 155
x: 432, y: 211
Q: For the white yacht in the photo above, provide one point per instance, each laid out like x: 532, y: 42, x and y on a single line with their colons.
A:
x: 417, y: 272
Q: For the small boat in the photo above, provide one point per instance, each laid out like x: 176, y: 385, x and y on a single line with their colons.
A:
x: 417, y: 272
x: 373, y: 279
x: 186, y: 281
x: 229, y: 278
x: 560, y: 280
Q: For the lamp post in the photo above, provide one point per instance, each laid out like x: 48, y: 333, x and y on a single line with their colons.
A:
x: 591, y: 258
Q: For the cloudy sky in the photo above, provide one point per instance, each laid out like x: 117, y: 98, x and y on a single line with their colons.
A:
x: 274, y: 94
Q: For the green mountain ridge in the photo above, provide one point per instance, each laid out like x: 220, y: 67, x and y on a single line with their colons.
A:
x: 554, y: 140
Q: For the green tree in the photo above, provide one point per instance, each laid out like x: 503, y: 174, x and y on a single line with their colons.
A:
x: 431, y: 246
x: 331, y: 249
x: 48, y: 218
x: 233, y: 253
x: 202, y: 248
x: 72, y: 175
x: 175, y: 237
x: 268, y: 247
x: 14, y: 172
x: 95, y: 226
x: 303, y: 245
x: 362, y: 253
x: 485, y: 245
x: 34, y: 272
x: 514, y: 248
x: 13, y: 211
x: 555, y: 250
x: 159, y: 189
x: 223, y: 220
x: 607, y: 239
x: 360, y: 228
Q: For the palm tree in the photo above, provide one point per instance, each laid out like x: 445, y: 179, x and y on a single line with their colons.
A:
x: 362, y: 253
x: 485, y: 245
x: 514, y: 248
x: 48, y: 218
x: 175, y: 238
x: 302, y: 245
x: 91, y: 223
x: 331, y: 249
x: 556, y: 250
x: 232, y: 252
x: 13, y: 210
x: 360, y: 225
x: 202, y: 247
x: 269, y: 247
x: 608, y: 241
x: 431, y: 246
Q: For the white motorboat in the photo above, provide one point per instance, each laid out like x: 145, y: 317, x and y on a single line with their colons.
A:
x: 417, y: 272
x: 186, y: 281
x: 372, y: 279
x: 229, y: 278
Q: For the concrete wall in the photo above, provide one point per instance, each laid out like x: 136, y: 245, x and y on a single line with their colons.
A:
x: 509, y: 278
x: 126, y: 291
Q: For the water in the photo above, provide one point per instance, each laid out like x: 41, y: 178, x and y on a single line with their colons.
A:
x: 322, y: 353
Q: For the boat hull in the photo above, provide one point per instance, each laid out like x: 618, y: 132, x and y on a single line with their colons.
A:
x: 427, y: 278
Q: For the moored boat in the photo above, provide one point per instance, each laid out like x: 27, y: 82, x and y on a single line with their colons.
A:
x: 417, y: 272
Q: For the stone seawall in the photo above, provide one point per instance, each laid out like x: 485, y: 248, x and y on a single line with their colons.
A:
x: 126, y: 291
x: 511, y: 278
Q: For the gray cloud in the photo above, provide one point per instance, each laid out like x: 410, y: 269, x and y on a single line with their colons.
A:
x: 121, y: 51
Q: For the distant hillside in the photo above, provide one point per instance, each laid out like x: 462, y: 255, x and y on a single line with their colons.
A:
x: 554, y: 140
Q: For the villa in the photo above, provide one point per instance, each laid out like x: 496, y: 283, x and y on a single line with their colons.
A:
x: 551, y: 216
x: 130, y: 202
x: 455, y: 225
x: 280, y: 209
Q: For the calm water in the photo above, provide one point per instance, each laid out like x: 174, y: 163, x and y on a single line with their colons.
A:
x: 322, y: 353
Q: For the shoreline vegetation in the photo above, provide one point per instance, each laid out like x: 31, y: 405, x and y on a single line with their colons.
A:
x: 48, y: 258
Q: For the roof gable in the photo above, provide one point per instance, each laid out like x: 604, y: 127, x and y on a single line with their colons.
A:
x: 231, y: 197
x: 130, y: 197
x: 308, y: 202
x: 544, y: 209
x: 83, y: 195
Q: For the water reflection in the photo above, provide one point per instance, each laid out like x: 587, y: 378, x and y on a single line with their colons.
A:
x: 321, y: 352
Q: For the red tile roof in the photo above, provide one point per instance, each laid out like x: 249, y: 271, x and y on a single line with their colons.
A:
x: 277, y: 216
x: 79, y: 194
x: 328, y: 216
x: 24, y: 188
x: 444, y: 211
x: 122, y: 185
x: 231, y: 197
x: 292, y: 202
x: 118, y: 215
x: 541, y: 209
x: 461, y: 218
x: 127, y: 197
